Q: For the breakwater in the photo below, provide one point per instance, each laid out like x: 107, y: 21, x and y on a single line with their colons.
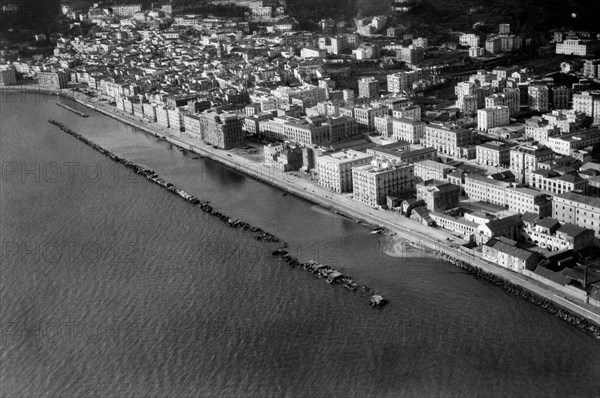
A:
x: 331, y: 275
x: 533, y: 298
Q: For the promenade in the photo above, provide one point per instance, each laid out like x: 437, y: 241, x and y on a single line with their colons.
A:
x: 427, y: 238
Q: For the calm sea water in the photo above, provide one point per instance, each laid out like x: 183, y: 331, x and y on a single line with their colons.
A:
x: 112, y: 287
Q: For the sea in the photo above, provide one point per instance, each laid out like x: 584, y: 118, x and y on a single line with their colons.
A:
x: 110, y: 286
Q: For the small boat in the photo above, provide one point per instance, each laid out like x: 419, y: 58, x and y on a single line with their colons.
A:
x: 377, y: 230
x: 285, y: 194
x: 181, y: 150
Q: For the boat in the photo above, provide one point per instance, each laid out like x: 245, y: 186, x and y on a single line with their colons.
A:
x: 67, y: 107
x: 377, y: 230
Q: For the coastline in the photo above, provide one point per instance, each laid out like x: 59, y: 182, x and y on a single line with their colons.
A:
x: 414, y: 233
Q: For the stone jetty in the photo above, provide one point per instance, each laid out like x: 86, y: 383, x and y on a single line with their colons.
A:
x: 331, y: 275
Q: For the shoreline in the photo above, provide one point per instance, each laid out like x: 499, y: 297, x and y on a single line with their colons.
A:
x: 543, y: 296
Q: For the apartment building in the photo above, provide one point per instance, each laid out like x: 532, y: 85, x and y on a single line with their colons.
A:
x: 52, y: 79
x: 496, y: 116
x: 577, y: 209
x: 429, y: 169
x: 409, y: 130
x: 539, y: 98
x: 540, y: 129
x: 407, y: 111
x: 556, y: 183
x: 525, y: 159
x: 223, y: 130
x: 496, y: 154
x: 447, y: 141
x: 569, y: 143
x: 365, y: 116
x: 335, y: 170
x: 510, y: 97
x: 522, y: 200
x: 402, y: 81
x: 372, y: 183
x: 469, y: 40
x: 368, y: 87
x: 588, y: 102
x: 560, y: 97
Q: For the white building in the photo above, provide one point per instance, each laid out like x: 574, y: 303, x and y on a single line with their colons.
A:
x: 496, y: 116
x: 335, y: 170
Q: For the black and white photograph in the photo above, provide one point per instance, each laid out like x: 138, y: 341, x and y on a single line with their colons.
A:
x: 299, y: 198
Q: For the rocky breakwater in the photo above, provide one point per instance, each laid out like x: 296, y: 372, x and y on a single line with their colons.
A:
x: 331, y: 275
x: 533, y: 298
x: 323, y: 271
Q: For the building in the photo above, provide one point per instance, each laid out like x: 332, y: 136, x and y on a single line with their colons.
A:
x: 496, y: 116
x: 554, y: 182
x: 8, y: 77
x: 372, y: 183
x: 438, y: 196
x: 223, y: 130
x: 283, y: 157
x: 307, y: 52
x: 411, y: 55
x: 548, y: 233
x: 505, y: 253
x: 525, y: 159
x: 577, y: 209
x: 318, y: 130
x: 447, y: 141
x: 495, y: 154
x: 52, y: 79
x: 126, y: 10
x: 510, y: 97
x: 522, y: 200
x: 588, y: 102
x: 591, y: 68
x: 507, y: 227
x: 402, y: 81
x: 567, y: 144
x: 560, y: 97
x: 335, y: 170
x: 538, y: 98
x: 368, y: 87
x: 504, y: 28
x: 429, y: 169
x: 365, y: 116
x: 469, y: 40
x: 578, y: 47
x: 409, y: 130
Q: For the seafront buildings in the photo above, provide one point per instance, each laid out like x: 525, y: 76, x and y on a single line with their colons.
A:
x: 508, y: 166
